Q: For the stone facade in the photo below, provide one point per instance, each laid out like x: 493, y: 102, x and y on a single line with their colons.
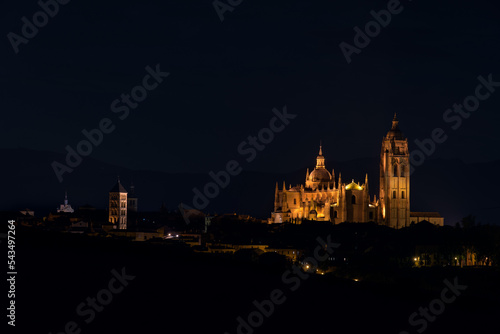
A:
x: 394, y: 179
x: 323, y: 198
x: 118, y: 206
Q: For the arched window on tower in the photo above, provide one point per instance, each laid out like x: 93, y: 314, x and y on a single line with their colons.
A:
x: 403, y: 194
x: 294, y: 201
x: 335, y: 214
x: 402, y: 171
x: 394, y: 194
x: 353, y: 199
x: 395, y: 170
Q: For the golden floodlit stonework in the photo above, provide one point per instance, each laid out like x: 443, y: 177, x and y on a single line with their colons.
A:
x: 324, y: 198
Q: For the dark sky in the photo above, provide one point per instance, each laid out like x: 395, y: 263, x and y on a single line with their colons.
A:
x: 226, y: 77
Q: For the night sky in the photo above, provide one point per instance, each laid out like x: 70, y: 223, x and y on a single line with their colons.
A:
x: 227, y: 76
x: 227, y: 80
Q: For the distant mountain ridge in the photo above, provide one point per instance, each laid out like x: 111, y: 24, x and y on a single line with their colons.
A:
x: 450, y: 187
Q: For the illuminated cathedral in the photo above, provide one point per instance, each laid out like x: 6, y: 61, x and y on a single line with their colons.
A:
x: 324, y: 198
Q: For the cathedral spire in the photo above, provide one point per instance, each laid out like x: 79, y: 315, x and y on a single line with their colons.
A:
x: 395, y: 133
x: 320, y: 160
x: 395, y: 122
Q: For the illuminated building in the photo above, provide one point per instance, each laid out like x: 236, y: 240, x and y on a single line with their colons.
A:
x: 394, y: 178
x: 323, y: 198
x: 65, y: 207
x: 118, y: 206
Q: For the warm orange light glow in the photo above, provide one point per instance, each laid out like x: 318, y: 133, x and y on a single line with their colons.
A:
x: 353, y: 185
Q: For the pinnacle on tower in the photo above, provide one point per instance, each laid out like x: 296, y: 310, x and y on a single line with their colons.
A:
x: 395, y: 122
x: 320, y: 159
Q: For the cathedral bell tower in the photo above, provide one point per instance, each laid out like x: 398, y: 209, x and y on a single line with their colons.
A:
x: 395, y: 178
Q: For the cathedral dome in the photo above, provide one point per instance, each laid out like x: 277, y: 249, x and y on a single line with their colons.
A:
x: 320, y: 175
